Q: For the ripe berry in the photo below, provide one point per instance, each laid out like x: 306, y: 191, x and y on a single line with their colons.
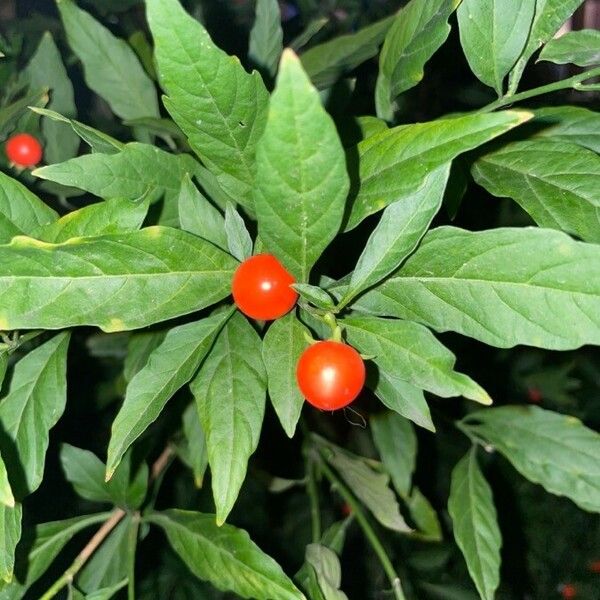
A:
x: 534, y: 395
x: 261, y: 288
x: 330, y: 374
x: 568, y: 591
x: 23, y: 150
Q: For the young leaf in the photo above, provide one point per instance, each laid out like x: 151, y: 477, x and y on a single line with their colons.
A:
x: 116, y: 282
x: 555, y: 182
x: 570, y: 124
x: 239, y: 241
x: 396, y: 443
x: 370, y: 487
x: 110, y: 66
x: 424, y: 517
x: 580, y: 48
x: 490, y: 285
x: 225, y: 556
x: 327, y: 569
x: 266, y: 36
x: 315, y: 295
x: 302, y: 181
x: 398, y: 232
x: 198, y: 216
x: 196, y: 453
x: 10, y: 533
x: 230, y: 391
x: 21, y: 212
x: 221, y: 108
x: 326, y: 62
x: 283, y: 344
x: 550, y: 15
x: 418, y: 30
x: 493, y: 34
x: 35, y: 401
x: 85, y: 471
x: 309, y: 32
x: 415, y: 151
x: 471, y: 507
x: 410, y: 351
x: 47, y: 71
x: 556, y: 451
x: 6, y: 495
x: 169, y: 368
x: 112, y: 216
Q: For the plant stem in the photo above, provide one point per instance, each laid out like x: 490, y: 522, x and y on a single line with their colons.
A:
x: 132, y: 543
x: 367, y: 530
x: 67, y: 577
x: 313, y: 495
x: 575, y: 82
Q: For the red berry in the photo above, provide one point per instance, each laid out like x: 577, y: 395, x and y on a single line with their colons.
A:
x: 534, y: 395
x: 594, y: 566
x: 346, y: 510
x: 23, y: 150
x: 261, y: 288
x: 568, y: 591
x: 330, y: 374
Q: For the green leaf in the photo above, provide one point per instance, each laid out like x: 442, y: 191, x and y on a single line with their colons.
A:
x: 139, y: 347
x: 47, y: 71
x: 371, y: 487
x: 580, y: 48
x: 10, y: 533
x: 6, y: 495
x: 398, y: 232
x: 219, y: 106
x: 493, y: 33
x: 97, y: 140
x: 21, y: 211
x: 10, y: 114
x: 33, y: 405
x: 308, y: 34
x: 418, y: 30
x: 110, y: 66
x: 409, y: 351
x: 490, y: 285
x: 555, y: 182
x: 424, y: 517
x: 266, y: 36
x: 471, y: 507
x: 168, y: 369
x: 225, y: 556
x: 196, y: 453
x: 302, y: 181
x: 106, y: 593
x: 550, y: 15
x: 283, y: 344
x: 112, y: 216
x: 239, y: 241
x: 198, y: 216
x: 415, y: 151
x: 326, y: 62
x: 85, y: 471
x: 230, y: 390
x: 403, y: 398
x: 396, y: 443
x: 327, y: 569
x: 116, y: 282
x: 315, y: 295
x: 556, y: 451
x: 570, y: 124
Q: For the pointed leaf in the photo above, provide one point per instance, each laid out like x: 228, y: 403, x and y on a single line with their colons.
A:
x: 168, y: 369
x: 301, y: 173
x: 106, y: 593
x: 117, y: 282
x: 493, y: 34
x: 6, y: 495
x: 490, y: 285
x: 225, y: 556
x: 10, y: 533
x: 424, y: 517
x: 230, y: 391
x: 418, y: 30
x: 110, y: 66
x: 416, y: 150
x: 328, y: 570
x: 315, y: 295
x: 266, y: 36
x: 555, y: 182
x: 570, y: 124
x: 196, y: 453
x: 471, y: 507
x: 580, y: 48
x: 410, y: 351
x: 283, y: 344
x: 140, y: 346
x: 556, y: 451
x: 218, y: 105
x: 239, y: 241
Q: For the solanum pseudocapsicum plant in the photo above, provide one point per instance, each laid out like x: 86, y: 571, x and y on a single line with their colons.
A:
x: 248, y: 168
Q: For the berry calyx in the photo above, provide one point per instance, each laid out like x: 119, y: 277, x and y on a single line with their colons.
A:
x: 261, y: 288
x: 23, y: 150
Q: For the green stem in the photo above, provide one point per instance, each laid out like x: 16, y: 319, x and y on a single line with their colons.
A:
x: 313, y: 496
x: 575, y: 82
x: 475, y: 439
x: 132, y: 543
x: 367, y: 530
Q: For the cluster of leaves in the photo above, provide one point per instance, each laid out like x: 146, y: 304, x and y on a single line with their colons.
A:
x: 248, y: 162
